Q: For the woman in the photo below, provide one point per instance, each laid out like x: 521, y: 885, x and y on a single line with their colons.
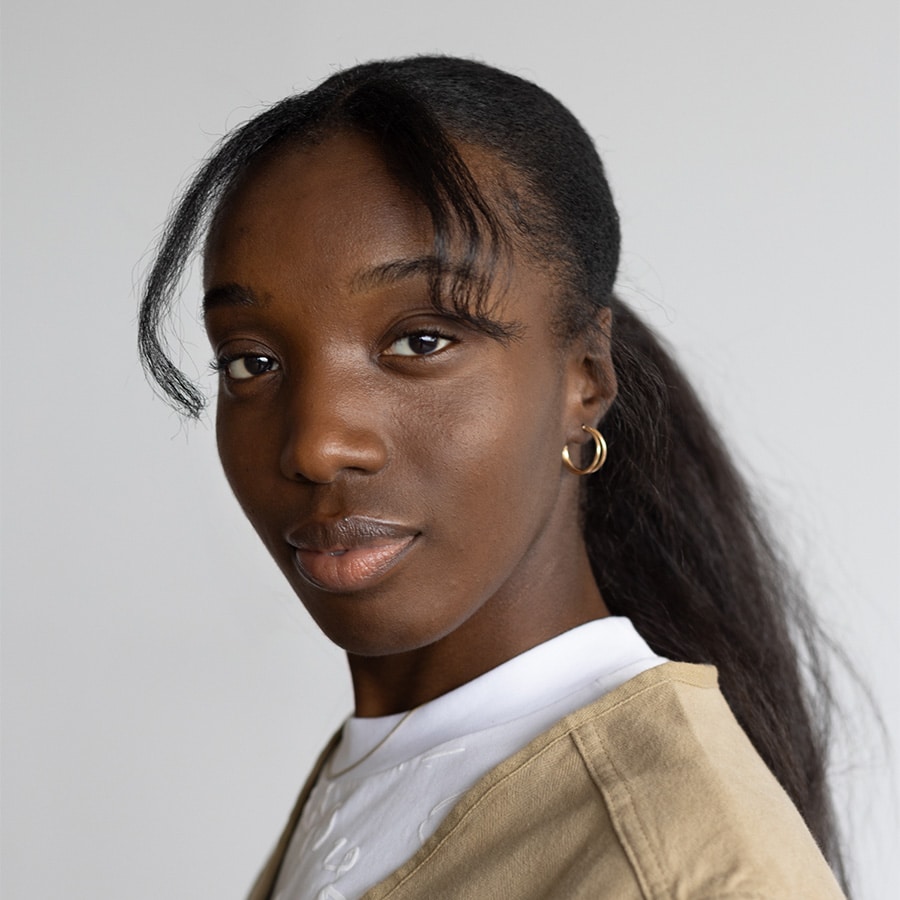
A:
x: 475, y: 465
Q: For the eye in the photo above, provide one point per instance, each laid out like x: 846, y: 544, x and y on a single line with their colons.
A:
x: 419, y: 343
x: 241, y: 368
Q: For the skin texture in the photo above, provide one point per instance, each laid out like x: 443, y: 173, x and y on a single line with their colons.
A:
x: 323, y: 414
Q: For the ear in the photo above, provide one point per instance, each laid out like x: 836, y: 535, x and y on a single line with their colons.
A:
x: 590, y: 379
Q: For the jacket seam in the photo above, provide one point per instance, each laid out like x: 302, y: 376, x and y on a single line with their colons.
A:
x: 655, y: 890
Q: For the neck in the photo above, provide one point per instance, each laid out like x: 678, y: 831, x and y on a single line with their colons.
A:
x: 507, y: 624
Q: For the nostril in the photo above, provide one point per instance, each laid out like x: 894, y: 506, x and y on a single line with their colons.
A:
x: 320, y: 455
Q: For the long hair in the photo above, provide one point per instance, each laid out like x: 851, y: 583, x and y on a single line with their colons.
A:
x: 674, y: 537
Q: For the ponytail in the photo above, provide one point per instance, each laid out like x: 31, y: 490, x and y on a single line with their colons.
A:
x: 678, y: 546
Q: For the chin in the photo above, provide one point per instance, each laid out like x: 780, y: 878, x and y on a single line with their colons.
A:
x: 367, y: 636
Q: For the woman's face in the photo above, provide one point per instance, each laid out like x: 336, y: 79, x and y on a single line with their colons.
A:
x: 402, y: 468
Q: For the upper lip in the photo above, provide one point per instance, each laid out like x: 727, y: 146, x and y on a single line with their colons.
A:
x: 346, y: 533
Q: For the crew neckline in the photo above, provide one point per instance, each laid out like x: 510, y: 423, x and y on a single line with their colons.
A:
x: 602, y: 650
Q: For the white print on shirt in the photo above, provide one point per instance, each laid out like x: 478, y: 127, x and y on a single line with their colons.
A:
x: 427, y: 760
x: 331, y: 841
x: 330, y: 892
x: 435, y: 817
x: 347, y: 862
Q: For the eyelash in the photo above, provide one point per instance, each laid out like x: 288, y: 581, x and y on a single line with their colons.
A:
x: 223, y: 363
x: 448, y: 340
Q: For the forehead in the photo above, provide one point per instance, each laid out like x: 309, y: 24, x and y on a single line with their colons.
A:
x: 333, y: 206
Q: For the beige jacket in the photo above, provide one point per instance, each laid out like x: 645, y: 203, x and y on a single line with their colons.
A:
x: 651, y: 792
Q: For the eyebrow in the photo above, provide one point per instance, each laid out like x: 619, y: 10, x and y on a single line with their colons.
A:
x: 223, y: 295
x: 232, y: 294
x: 399, y: 269
x: 393, y: 271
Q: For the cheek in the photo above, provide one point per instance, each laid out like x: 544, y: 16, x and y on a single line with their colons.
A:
x: 492, y: 457
x: 245, y: 453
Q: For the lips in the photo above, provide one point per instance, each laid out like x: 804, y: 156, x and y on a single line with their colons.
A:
x: 350, y: 553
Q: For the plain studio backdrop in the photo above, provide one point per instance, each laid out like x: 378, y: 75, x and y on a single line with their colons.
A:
x: 164, y: 693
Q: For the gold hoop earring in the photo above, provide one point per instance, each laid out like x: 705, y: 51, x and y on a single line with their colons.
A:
x: 599, y: 453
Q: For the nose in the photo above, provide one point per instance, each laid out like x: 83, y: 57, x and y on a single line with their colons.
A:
x: 332, y: 428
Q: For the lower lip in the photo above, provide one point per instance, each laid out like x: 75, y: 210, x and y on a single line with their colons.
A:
x: 349, y: 570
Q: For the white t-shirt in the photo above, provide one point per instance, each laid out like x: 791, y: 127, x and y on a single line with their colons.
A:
x: 392, y: 779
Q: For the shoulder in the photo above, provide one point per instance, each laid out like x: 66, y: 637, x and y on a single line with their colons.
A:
x: 653, y: 791
x: 691, y: 801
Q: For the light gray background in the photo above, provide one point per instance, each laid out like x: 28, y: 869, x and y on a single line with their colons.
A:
x: 164, y: 693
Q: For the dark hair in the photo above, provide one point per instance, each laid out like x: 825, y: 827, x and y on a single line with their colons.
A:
x: 674, y: 537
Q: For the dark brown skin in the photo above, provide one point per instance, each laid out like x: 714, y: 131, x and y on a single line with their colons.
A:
x: 323, y: 414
